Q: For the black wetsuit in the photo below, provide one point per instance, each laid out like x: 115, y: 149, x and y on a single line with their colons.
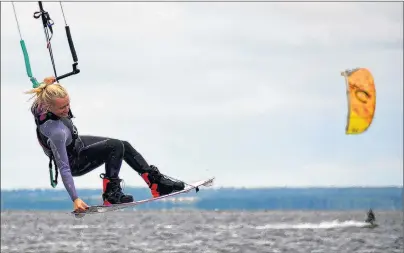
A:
x: 76, y: 155
x: 371, y: 217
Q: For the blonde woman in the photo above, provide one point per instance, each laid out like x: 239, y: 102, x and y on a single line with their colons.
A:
x: 76, y: 155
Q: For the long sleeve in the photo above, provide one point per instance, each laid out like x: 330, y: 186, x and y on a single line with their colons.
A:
x: 58, y: 136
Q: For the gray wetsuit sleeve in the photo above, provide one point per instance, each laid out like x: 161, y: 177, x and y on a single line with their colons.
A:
x: 59, y: 137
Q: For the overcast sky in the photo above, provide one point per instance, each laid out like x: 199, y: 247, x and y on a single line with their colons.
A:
x: 250, y: 93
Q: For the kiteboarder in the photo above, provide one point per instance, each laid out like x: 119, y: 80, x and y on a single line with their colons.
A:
x: 75, y: 155
x: 370, y: 217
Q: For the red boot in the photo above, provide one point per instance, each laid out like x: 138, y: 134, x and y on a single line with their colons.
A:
x: 105, y: 182
x: 112, y: 191
x: 159, y: 184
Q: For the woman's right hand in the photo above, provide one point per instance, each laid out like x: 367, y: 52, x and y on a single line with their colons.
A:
x: 79, y: 205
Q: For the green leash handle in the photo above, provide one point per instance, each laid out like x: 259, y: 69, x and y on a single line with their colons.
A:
x: 53, y: 182
x: 28, y: 65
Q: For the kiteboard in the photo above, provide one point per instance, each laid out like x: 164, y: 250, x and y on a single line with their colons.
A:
x: 97, y: 209
x: 370, y: 225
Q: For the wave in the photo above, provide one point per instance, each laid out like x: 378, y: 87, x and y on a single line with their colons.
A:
x: 321, y: 225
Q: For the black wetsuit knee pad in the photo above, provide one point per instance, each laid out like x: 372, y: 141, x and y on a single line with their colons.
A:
x: 116, y: 146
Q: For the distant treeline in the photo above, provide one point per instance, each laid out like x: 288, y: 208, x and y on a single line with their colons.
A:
x: 383, y: 198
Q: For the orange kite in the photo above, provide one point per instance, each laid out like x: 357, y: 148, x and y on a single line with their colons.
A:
x: 361, y: 93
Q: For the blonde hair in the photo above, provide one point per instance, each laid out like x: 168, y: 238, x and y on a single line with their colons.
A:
x: 45, y: 93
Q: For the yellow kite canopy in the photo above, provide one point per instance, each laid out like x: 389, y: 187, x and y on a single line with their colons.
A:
x: 361, y: 94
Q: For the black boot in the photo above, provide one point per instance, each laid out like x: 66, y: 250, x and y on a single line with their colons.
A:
x: 113, y: 192
x: 159, y: 184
